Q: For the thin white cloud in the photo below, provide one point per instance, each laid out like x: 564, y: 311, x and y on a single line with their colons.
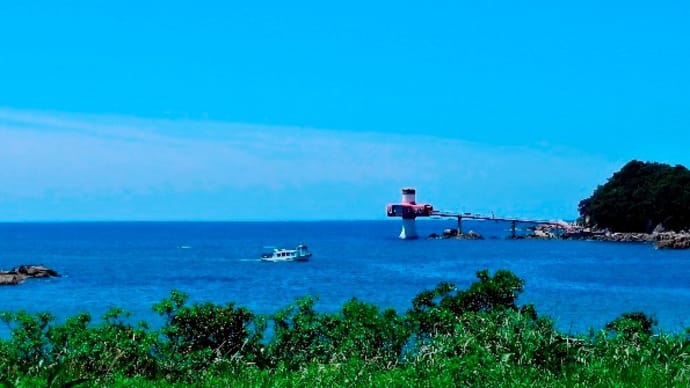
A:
x: 83, y: 159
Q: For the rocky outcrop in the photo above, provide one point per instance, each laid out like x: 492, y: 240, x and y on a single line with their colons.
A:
x: 608, y: 236
x: 453, y: 233
x: 673, y: 240
x: 541, y: 232
x: 662, y: 239
x: 471, y: 235
x: 18, y: 275
x: 626, y: 237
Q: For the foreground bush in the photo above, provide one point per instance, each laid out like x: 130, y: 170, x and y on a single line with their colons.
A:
x: 449, y: 337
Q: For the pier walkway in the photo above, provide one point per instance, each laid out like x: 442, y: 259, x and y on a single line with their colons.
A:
x: 558, y: 224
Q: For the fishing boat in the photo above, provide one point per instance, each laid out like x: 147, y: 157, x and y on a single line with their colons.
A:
x: 301, y: 253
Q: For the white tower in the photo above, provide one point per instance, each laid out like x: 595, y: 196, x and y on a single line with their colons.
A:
x: 409, y: 226
x: 409, y: 195
x: 409, y: 229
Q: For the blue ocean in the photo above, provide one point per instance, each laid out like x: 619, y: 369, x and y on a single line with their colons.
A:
x: 579, y: 284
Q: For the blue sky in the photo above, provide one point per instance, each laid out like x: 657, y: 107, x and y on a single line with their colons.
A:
x: 274, y: 110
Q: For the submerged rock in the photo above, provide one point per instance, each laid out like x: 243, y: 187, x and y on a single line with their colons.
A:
x: 453, y: 233
x: 19, y: 274
x: 471, y: 235
x: 9, y: 279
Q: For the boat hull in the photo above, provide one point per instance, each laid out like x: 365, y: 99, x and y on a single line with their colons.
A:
x: 278, y: 255
x: 285, y: 259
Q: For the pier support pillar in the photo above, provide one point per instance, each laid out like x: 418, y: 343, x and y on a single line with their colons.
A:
x: 409, y: 229
x: 459, y: 225
x: 512, y: 229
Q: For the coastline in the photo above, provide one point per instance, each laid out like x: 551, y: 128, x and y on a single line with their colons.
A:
x: 661, y: 240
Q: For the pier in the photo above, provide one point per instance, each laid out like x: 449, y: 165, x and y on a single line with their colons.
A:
x: 513, y: 221
x: 408, y: 209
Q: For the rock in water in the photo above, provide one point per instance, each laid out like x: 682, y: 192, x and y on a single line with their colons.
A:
x: 18, y: 275
x: 8, y: 279
x: 673, y: 240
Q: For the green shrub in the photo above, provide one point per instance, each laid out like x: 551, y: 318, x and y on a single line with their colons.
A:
x: 202, y: 334
x: 450, y: 337
x: 435, y: 312
x: 299, y: 336
x: 114, y: 345
x: 28, y: 350
x: 631, y: 325
x: 361, y: 331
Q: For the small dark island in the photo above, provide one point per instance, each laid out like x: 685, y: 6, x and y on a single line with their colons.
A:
x: 640, y: 198
x: 644, y: 201
x: 19, y: 274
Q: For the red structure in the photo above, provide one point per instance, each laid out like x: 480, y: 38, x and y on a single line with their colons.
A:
x: 408, y: 209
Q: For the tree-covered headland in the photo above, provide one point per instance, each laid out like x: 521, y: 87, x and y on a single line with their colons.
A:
x: 449, y: 337
x: 639, y: 197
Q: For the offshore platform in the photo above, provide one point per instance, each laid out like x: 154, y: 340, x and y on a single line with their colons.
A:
x: 408, y: 209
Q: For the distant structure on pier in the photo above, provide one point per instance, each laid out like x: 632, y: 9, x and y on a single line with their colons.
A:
x: 408, y: 209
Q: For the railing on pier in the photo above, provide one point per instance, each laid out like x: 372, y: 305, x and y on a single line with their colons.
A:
x: 559, y: 224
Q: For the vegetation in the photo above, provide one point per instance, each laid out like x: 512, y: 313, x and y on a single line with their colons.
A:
x: 449, y: 337
x: 639, y: 197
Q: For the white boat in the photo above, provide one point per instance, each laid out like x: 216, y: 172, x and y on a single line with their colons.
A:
x: 301, y: 253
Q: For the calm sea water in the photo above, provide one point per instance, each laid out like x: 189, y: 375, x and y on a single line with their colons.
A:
x: 579, y: 284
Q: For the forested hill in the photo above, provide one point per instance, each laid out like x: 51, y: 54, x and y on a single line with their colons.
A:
x: 639, y: 197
